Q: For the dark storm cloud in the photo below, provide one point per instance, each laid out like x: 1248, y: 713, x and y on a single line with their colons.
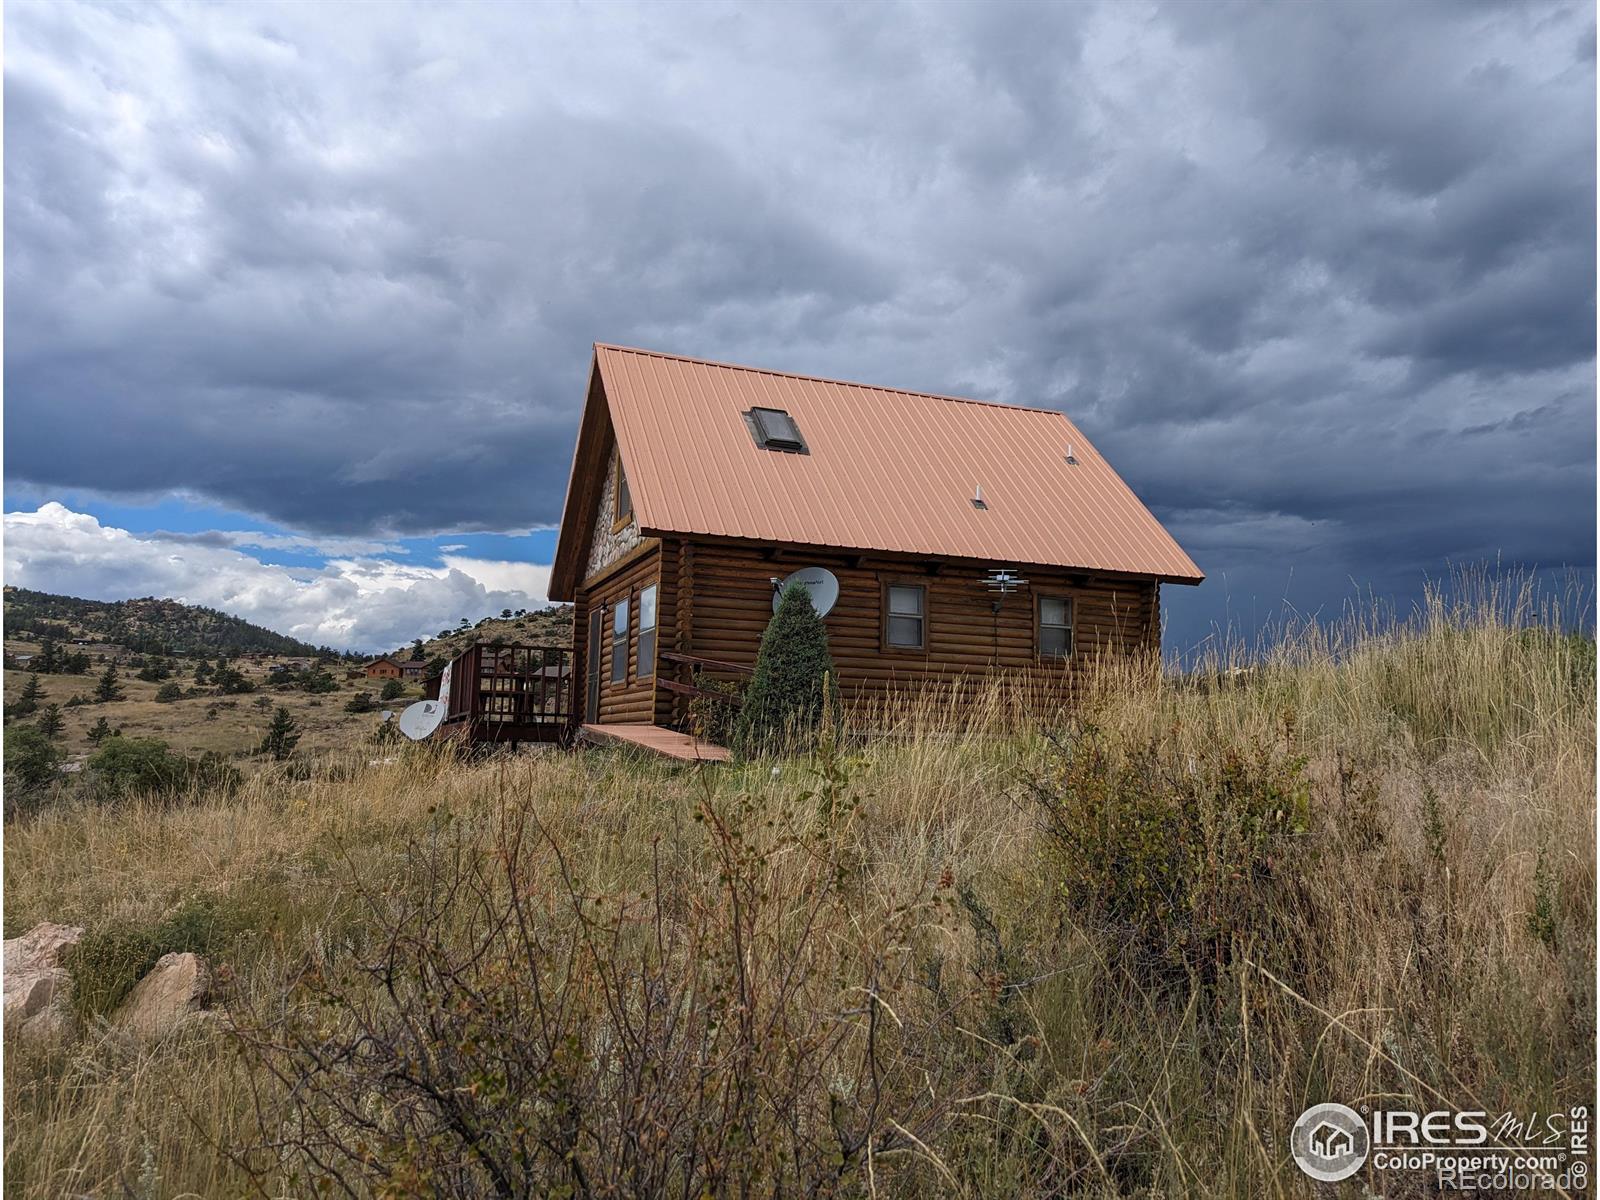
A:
x: 1318, y: 278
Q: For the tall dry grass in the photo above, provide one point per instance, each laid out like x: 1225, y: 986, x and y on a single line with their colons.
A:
x: 1433, y: 942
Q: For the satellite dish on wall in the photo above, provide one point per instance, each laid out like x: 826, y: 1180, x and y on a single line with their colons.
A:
x: 818, y: 581
x: 421, y: 719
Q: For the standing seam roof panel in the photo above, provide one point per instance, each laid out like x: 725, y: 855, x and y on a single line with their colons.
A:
x: 886, y: 470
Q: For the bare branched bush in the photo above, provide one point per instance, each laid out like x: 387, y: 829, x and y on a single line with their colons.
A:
x: 519, y: 1035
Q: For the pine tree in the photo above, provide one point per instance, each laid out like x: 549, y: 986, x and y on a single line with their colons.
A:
x: 28, y: 702
x: 50, y: 722
x: 108, y: 688
x: 282, y: 736
x: 794, y: 682
x: 100, y: 731
x: 49, y: 657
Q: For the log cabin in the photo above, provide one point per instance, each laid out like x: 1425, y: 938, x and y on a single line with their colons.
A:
x: 950, y: 538
x: 382, y: 668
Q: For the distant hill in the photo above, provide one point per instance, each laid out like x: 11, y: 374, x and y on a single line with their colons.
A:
x: 534, y: 627
x: 147, y: 626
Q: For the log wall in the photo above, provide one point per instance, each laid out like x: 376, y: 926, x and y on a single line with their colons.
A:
x: 724, y: 599
x: 714, y: 600
x: 634, y: 698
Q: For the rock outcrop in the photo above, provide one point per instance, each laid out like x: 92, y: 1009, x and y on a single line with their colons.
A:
x: 174, y: 993
x: 38, y: 989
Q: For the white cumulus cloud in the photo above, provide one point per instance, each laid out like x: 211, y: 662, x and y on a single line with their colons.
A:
x: 356, y: 603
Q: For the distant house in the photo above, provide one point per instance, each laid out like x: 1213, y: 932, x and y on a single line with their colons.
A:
x: 382, y: 668
x: 413, y: 669
x: 945, y: 538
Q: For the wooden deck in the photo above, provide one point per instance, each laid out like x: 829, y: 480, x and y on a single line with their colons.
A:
x: 668, y: 742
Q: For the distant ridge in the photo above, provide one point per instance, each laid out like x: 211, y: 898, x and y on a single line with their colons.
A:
x: 148, y: 626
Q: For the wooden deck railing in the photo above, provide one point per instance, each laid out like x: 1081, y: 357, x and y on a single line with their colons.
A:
x: 522, y: 693
x: 691, y: 663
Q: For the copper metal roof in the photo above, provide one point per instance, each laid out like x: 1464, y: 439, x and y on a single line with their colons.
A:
x: 886, y: 470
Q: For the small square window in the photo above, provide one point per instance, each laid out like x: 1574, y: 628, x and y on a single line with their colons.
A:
x: 905, y: 616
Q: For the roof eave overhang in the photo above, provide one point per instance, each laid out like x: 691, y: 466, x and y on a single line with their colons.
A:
x: 564, y: 571
x: 651, y: 531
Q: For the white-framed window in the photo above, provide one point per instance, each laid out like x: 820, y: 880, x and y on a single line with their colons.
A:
x: 905, y: 616
x: 619, y: 641
x: 647, y: 632
x: 1055, y: 627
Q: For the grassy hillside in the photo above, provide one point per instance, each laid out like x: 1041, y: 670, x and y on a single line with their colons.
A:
x: 541, y: 627
x: 208, y: 718
x: 1002, y: 954
x: 230, y: 725
x: 149, y: 625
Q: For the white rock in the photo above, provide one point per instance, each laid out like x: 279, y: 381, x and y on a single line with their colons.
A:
x: 174, y: 993
x: 38, y: 990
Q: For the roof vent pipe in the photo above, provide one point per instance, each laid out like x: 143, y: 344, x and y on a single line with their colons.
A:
x: 1072, y: 459
x: 977, y: 497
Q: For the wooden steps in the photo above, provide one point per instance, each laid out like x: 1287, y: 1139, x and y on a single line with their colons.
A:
x: 667, y: 742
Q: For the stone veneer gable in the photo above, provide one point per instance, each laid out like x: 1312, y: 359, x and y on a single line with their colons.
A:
x: 605, y: 547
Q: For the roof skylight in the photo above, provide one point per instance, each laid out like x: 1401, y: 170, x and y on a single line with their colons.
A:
x: 774, y: 429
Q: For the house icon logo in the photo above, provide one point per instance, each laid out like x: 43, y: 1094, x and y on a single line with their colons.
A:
x: 1329, y: 1142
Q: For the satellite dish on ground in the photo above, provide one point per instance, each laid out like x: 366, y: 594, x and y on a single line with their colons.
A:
x: 421, y: 719
x: 818, y: 581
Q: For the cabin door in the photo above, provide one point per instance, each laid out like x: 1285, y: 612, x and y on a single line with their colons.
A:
x: 591, y: 707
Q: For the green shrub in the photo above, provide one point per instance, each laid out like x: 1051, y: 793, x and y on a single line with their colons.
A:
x: 31, y: 759
x: 112, y: 957
x: 794, y: 686
x: 716, y: 718
x: 1541, y: 916
x: 1174, y: 858
x: 230, y: 682
x: 128, y: 766
x: 317, y: 682
x: 168, y: 692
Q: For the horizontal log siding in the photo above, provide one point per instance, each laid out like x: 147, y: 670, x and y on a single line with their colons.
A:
x: 634, y: 699
x: 726, y: 594
x: 666, y: 623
